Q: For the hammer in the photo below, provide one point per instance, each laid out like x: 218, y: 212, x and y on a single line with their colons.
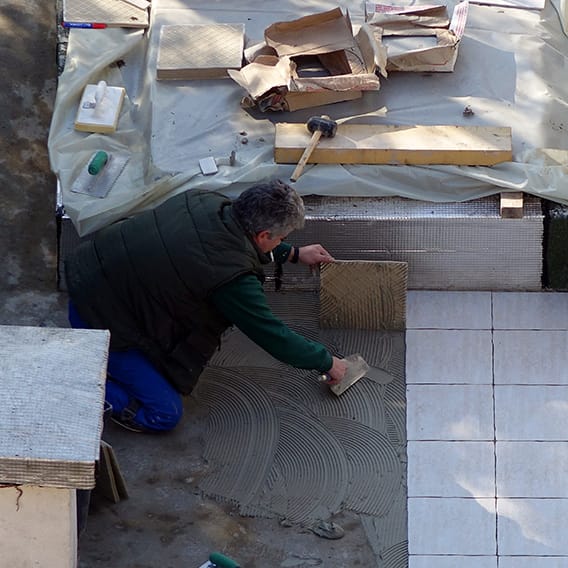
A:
x: 319, y: 126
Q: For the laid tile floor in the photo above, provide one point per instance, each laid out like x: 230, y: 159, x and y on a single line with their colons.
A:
x: 487, y: 429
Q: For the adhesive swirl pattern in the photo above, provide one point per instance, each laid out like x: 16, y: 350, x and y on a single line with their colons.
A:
x: 280, y: 445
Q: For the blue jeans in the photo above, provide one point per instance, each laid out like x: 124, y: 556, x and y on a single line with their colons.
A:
x: 134, y: 383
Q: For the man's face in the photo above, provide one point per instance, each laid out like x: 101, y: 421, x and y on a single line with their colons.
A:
x: 267, y: 242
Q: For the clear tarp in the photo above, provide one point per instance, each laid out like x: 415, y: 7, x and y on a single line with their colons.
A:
x: 511, y: 71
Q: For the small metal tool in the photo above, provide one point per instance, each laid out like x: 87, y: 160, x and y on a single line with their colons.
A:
x: 357, y: 368
x: 99, y: 183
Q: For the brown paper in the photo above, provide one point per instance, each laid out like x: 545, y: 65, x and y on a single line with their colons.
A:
x: 314, y: 59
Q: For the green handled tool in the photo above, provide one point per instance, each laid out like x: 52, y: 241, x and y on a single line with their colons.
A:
x: 217, y: 560
x: 97, y: 163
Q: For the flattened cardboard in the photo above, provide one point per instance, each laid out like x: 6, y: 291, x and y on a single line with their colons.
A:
x: 314, y: 54
x: 315, y: 34
x: 418, y: 38
x: 196, y: 51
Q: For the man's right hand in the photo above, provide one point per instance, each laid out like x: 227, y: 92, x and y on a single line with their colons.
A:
x: 337, y: 371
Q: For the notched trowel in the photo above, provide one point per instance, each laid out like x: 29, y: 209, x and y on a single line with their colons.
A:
x: 357, y: 368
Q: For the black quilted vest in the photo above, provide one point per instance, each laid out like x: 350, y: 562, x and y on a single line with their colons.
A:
x: 148, y: 279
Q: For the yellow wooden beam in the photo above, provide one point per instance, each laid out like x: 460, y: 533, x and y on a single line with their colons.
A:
x: 393, y: 144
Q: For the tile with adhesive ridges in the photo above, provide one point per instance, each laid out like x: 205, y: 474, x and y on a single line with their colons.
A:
x: 451, y: 469
x: 531, y: 357
x: 532, y: 469
x: 530, y: 310
x: 448, y: 356
x: 358, y: 294
x: 528, y: 527
x: 448, y: 310
x: 447, y: 526
x: 449, y: 412
x: 531, y: 412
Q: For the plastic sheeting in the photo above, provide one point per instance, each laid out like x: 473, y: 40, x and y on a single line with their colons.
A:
x: 511, y: 71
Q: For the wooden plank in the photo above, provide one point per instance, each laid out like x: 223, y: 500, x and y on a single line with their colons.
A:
x: 511, y: 205
x: 393, y: 144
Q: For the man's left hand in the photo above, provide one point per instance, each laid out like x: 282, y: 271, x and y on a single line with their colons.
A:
x: 314, y: 254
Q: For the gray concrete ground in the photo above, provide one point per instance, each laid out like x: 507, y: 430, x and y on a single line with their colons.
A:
x: 166, y: 522
x: 28, y: 293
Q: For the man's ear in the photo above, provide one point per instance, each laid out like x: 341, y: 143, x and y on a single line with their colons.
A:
x: 261, y: 238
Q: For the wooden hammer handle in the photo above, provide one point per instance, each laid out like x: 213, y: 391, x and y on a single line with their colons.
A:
x: 306, y: 155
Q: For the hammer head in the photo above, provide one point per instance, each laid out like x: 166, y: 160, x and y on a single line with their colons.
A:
x: 324, y: 124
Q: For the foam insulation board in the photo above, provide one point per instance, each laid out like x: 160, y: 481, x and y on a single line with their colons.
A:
x: 448, y: 246
x: 199, y: 51
x: 51, y: 405
x: 363, y: 295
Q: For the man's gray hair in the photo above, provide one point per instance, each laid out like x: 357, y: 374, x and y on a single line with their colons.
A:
x: 274, y: 207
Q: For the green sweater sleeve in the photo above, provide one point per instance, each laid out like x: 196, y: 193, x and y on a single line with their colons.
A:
x: 243, y: 302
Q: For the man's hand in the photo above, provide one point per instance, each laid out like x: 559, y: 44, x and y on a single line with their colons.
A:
x: 337, y: 371
x: 314, y: 254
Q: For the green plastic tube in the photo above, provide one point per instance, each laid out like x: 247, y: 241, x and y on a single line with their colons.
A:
x: 221, y: 561
x: 98, y: 162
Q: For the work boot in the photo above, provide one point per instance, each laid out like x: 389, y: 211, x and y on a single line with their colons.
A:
x: 126, y: 420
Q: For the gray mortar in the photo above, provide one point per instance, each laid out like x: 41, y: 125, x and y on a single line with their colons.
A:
x: 280, y: 445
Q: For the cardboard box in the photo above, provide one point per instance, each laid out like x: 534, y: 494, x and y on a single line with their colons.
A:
x: 310, y: 61
x: 418, y: 38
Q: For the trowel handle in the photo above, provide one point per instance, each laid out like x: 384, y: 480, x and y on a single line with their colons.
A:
x: 220, y: 561
x: 324, y: 378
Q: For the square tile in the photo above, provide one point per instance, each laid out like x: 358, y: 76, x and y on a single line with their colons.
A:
x: 533, y: 562
x: 530, y: 310
x: 199, y: 51
x: 363, y: 294
x: 449, y: 356
x: 446, y: 526
x: 532, y: 469
x: 451, y: 469
x: 531, y: 412
x: 448, y: 310
x: 453, y: 562
x: 532, y: 527
x: 531, y: 357
x: 449, y: 412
